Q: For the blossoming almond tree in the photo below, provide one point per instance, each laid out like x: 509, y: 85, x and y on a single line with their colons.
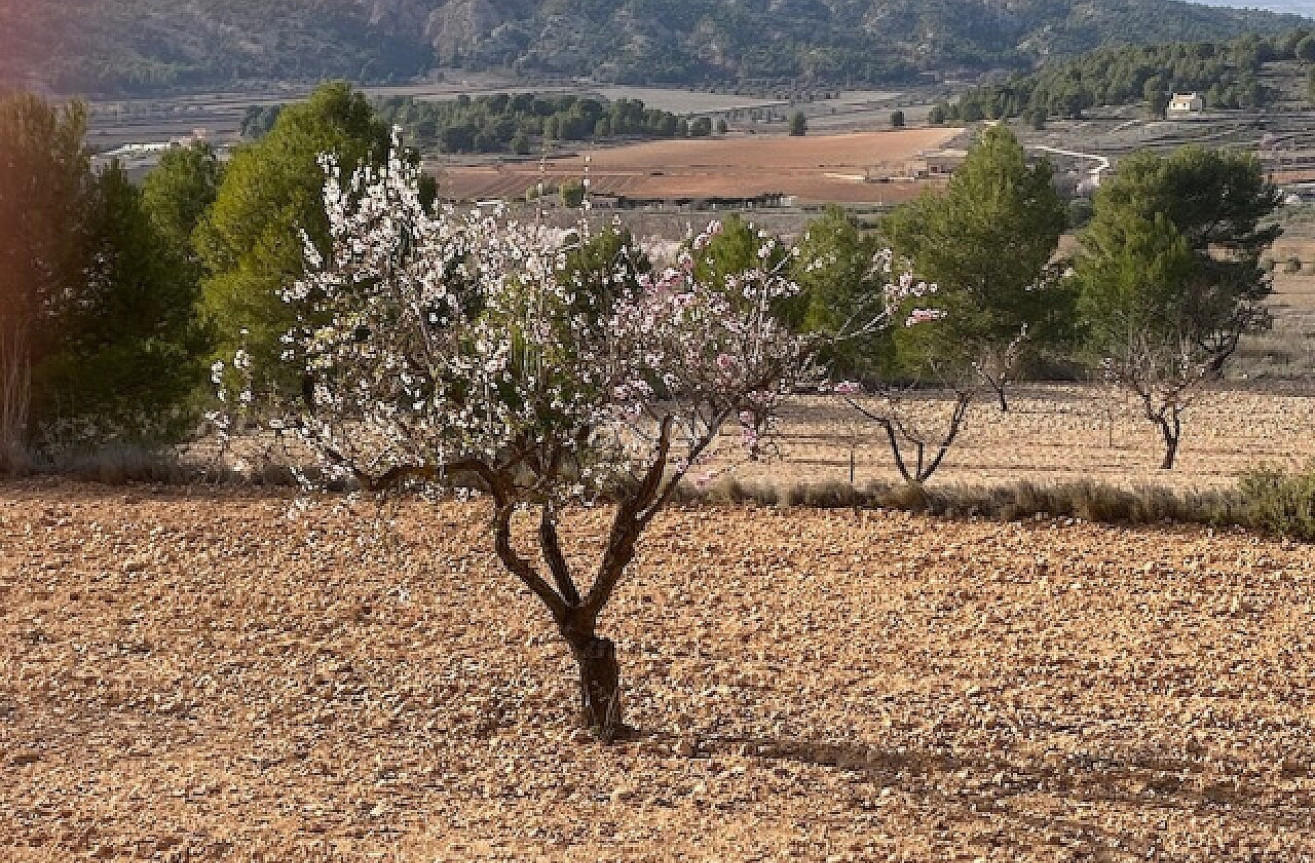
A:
x: 441, y: 346
x: 438, y: 346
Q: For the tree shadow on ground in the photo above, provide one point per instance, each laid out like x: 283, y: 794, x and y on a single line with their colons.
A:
x: 988, y: 783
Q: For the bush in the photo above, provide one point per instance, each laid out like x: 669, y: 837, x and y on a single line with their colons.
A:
x: 1279, y: 502
x: 1086, y: 501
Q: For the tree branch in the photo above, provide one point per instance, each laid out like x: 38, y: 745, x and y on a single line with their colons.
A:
x: 627, y: 525
x: 552, y: 553
x: 520, y: 567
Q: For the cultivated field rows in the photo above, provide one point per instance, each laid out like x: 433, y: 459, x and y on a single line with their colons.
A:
x: 1052, y: 433
x: 822, y: 168
x: 190, y: 678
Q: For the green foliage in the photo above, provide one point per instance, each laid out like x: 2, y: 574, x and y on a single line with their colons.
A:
x: 735, y: 250
x: 153, y: 44
x: 798, y: 124
x: 177, y: 194
x: 46, y: 190
x: 572, y: 194
x: 1226, y: 73
x: 258, y: 120
x: 250, y: 241
x: 1176, y: 242
x: 1157, y: 100
x: 1305, y: 49
x: 503, y: 123
x: 133, y: 352
x: 1079, y: 213
x: 1279, y: 502
x: 603, y: 268
x: 45, y: 186
x: 1132, y: 279
x: 897, y: 119
x: 842, y: 290
x: 987, y: 243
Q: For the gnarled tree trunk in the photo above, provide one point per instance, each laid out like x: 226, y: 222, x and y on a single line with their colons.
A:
x: 1172, y: 431
x: 600, y: 687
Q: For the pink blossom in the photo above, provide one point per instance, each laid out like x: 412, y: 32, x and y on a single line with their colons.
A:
x: 923, y: 316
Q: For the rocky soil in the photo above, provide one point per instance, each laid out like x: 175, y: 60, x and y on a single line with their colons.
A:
x: 1052, y: 433
x: 188, y: 676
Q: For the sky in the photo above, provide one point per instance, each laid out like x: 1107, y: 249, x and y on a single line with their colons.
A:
x: 1296, y: 7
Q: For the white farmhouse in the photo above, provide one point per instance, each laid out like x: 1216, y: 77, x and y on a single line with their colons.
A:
x: 1184, y: 105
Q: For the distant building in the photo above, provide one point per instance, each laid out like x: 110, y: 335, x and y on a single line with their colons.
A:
x: 926, y: 165
x: 1184, y: 105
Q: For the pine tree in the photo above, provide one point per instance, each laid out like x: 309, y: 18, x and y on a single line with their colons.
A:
x: 987, y: 242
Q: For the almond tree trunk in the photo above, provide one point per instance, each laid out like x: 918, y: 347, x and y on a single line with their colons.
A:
x: 1171, y: 430
x: 600, y: 687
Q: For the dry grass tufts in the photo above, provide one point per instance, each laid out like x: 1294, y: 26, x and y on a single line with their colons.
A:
x: 1267, y: 499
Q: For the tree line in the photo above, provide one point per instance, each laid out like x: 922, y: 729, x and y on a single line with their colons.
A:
x: 1225, y: 73
x: 117, y: 299
x: 144, y: 46
x: 503, y: 123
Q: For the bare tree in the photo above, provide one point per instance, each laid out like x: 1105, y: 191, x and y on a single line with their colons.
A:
x: 1166, y: 377
x: 919, y: 438
x: 998, y: 366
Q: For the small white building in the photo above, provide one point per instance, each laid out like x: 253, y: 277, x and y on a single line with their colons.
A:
x: 1184, y: 105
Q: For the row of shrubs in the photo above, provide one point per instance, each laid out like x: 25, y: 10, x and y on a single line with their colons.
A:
x: 1267, y: 499
x: 1270, y: 500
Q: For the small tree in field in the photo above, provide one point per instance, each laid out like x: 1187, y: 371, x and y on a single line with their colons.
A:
x: 1138, y: 316
x: 918, y: 441
x: 987, y: 242
x: 1166, y: 378
x: 438, y: 348
x: 1171, y: 276
x: 447, y: 346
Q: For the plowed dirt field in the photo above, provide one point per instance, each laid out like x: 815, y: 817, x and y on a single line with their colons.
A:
x: 211, y: 677
x: 823, y: 168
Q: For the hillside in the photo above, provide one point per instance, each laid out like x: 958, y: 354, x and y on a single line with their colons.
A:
x: 138, y: 45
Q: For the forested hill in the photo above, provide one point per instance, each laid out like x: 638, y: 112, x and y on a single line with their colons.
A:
x: 139, y: 45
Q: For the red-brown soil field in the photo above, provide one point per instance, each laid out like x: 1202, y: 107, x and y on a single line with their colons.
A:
x: 824, y: 168
x: 213, y: 676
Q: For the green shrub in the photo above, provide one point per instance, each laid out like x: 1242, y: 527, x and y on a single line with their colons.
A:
x: 1279, y: 502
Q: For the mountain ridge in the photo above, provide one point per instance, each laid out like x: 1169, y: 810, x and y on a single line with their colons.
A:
x: 150, y: 45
